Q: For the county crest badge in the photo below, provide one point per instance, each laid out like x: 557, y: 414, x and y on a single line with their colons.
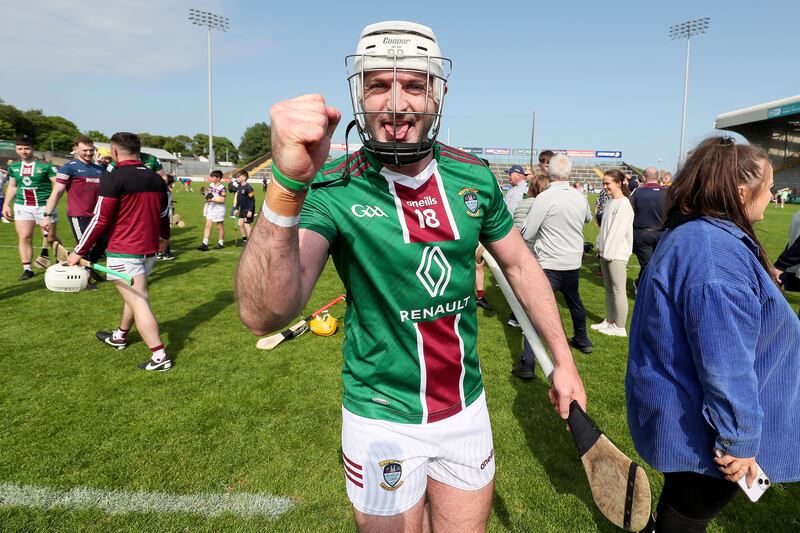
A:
x: 470, y: 197
x: 392, y: 472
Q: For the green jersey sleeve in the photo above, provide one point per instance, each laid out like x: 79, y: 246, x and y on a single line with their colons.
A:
x: 497, y: 221
x: 151, y: 162
x: 317, y: 217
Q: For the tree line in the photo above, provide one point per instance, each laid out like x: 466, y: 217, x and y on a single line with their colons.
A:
x: 54, y: 133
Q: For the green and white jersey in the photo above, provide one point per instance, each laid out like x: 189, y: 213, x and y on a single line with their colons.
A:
x: 404, y: 248
x: 33, y: 180
x: 151, y: 162
x: 148, y: 160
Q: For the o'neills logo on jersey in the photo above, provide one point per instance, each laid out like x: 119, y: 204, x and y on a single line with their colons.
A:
x: 434, y: 311
x: 425, y: 202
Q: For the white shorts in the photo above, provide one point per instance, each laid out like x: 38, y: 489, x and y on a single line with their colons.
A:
x: 214, y: 212
x: 387, y: 464
x: 132, y: 266
x: 32, y: 212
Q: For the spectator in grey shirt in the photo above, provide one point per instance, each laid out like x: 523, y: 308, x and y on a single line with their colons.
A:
x: 555, y: 225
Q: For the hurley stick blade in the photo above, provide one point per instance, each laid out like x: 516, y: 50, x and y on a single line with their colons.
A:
x: 61, y: 253
x: 619, y: 486
x: 43, y: 261
x: 268, y: 343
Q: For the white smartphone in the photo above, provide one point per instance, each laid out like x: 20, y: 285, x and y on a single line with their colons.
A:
x: 759, y: 486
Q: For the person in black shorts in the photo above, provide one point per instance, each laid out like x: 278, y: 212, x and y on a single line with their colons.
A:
x: 245, y: 205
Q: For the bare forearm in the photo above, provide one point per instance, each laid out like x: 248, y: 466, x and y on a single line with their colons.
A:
x: 11, y: 193
x: 55, y: 196
x: 268, y: 281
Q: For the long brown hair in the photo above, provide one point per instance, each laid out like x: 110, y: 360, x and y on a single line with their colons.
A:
x: 708, y: 186
x: 619, y: 179
x: 538, y: 183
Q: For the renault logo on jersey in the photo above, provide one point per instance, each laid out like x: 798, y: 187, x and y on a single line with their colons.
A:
x: 370, y: 211
x: 434, y: 271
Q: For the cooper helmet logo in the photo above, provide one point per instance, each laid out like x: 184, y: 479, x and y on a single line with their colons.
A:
x: 390, y: 40
x: 370, y: 211
x: 434, y: 271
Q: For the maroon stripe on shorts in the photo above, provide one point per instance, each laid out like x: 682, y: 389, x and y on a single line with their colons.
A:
x: 353, y: 464
x: 353, y: 481
x: 353, y: 472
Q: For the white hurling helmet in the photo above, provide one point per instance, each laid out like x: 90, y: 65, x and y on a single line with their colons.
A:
x: 64, y: 278
x: 398, y: 46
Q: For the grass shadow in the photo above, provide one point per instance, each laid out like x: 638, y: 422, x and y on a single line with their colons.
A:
x: 181, y: 328
x: 501, y: 510
x: 167, y: 269
x: 557, y: 454
x: 23, y: 287
x: 502, y: 311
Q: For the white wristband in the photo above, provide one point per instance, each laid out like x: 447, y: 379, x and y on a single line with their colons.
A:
x: 279, y: 220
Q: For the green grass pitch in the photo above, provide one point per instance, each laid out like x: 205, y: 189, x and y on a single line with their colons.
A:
x: 232, y: 419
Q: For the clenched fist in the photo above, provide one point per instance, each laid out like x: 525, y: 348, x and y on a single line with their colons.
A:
x: 301, y: 135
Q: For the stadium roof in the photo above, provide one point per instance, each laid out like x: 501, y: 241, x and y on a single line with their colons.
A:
x: 758, y: 113
x: 162, y: 155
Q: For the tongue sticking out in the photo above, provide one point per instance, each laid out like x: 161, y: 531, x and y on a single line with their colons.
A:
x: 398, y: 132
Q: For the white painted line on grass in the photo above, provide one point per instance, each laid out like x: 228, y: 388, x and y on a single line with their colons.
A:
x: 120, y: 501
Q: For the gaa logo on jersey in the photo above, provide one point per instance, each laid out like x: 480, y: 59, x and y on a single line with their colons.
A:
x: 470, y: 197
x: 392, y: 472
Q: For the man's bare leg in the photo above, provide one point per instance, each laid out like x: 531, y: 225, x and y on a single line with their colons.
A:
x: 410, y: 521
x: 221, y: 232
x: 207, y: 230
x: 137, y: 300
x: 479, y: 280
x: 126, y: 317
x: 456, y: 510
x: 25, y: 240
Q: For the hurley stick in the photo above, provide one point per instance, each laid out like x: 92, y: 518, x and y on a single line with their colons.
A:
x: 619, y: 486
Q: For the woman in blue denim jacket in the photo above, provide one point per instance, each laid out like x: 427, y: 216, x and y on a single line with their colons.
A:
x: 714, y: 346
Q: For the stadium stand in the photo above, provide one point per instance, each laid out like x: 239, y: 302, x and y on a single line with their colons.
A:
x: 583, y: 173
x: 775, y: 126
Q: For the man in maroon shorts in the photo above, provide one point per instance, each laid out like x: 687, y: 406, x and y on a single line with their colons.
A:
x: 133, y: 209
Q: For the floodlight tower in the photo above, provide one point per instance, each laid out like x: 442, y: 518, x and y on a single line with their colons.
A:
x: 210, y: 21
x: 685, y: 30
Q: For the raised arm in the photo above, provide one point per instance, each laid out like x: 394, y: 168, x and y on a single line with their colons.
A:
x: 281, y: 264
x: 533, y: 291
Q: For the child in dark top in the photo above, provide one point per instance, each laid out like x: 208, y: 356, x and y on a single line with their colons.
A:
x: 245, y: 206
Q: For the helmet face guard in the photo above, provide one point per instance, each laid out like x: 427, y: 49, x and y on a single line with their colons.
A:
x: 394, y: 47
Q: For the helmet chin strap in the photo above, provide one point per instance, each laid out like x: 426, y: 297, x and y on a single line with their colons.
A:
x: 392, y: 152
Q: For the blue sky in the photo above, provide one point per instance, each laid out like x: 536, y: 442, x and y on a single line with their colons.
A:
x: 600, y: 75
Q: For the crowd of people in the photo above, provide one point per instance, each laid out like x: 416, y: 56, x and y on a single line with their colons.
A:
x: 713, y: 374
x: 112, y: 218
